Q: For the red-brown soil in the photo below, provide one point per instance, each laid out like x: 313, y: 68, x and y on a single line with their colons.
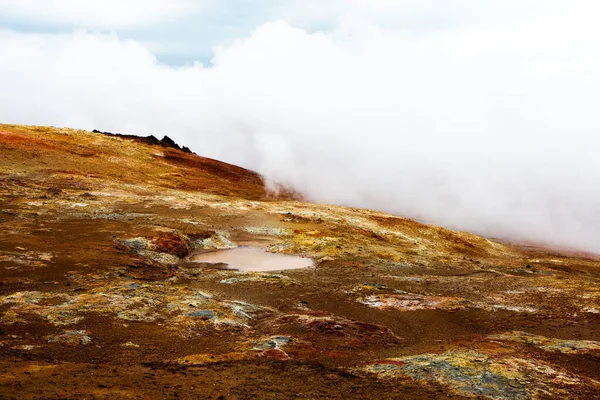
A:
x: 98, y: 298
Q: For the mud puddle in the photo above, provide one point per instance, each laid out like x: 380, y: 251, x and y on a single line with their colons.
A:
x: 253, y: 259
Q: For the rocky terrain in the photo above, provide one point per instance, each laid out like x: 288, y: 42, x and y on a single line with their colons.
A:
x: 99, y: 296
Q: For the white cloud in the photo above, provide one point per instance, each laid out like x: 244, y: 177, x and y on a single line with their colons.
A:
x: 98, y: 14
x: 490, y: 127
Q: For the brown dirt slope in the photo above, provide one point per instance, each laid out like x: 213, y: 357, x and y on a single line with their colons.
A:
x: 99, y: 297
x: 47, y: 151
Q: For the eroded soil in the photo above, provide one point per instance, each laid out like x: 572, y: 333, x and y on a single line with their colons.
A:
x: 98, y: 298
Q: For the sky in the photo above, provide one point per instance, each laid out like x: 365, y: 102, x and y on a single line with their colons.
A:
x: 475, y: 115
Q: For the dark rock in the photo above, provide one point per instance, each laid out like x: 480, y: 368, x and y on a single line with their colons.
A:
x: 168, y: 142
x: 152, y: 140
x: 204, y: 314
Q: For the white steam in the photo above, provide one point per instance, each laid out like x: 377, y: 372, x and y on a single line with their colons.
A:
x: 492, y: 129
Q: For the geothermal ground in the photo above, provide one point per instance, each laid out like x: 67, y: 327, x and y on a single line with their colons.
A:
x: 101, y: 295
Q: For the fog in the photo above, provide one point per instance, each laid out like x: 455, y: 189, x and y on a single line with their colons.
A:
x: 491, y: 128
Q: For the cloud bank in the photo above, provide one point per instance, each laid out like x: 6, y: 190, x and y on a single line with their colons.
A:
x: 488, y: 127
x: 97, y: 14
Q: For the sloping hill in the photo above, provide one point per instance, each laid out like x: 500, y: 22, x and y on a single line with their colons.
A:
x: 57, y: 153
x: 100, y: 295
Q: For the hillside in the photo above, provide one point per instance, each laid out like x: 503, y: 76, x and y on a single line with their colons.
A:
x: 100, y: 297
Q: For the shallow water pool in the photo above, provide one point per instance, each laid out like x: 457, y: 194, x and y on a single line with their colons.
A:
x: 253, y: 259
